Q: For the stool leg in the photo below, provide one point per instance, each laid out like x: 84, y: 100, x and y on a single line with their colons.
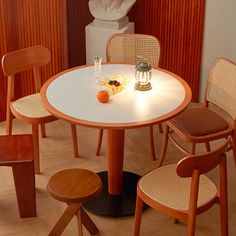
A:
x: 79, y: 220
x: 24, y: 180
x: 66, y: 217
x: 88, y: 223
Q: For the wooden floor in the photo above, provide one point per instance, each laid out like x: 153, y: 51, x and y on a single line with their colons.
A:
x: 56, y: 154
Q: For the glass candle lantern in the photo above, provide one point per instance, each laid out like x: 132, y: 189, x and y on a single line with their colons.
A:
x: 143, y: 75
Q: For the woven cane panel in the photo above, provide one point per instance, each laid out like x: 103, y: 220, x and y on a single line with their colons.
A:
x: 166, y: 187
x: 31, y: 106
x: 221, y: 88
x: 127, y: 48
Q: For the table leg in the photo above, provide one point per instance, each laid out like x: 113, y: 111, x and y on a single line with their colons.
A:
x: 115, y: 146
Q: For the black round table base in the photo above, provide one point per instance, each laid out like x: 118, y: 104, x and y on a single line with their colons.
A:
x: 118, y: 205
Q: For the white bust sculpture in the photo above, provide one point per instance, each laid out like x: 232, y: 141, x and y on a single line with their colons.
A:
x: 110, y: 11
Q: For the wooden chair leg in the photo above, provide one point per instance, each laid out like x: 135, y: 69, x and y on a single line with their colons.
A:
x: 66, y: 217
x: 192, y: 150
x: 191, y: 220
x: 24, y: 180
x: 43, y: 131
x: 223, y: 198
x: 9, y: 118
x: 99, y: 144
x: 208, y: 147
x: 75, y: 140
x: 191, y: 225
x: 233, y: 143
x: 160, y: 128
x: 88, y: 223
x: 164, y: 145
x: 151, y: 140
x: 176, y: 221
x: 138, y: 215
x: 36, y: 148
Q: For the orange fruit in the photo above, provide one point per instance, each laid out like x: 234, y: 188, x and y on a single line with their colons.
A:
x: 103, y: 96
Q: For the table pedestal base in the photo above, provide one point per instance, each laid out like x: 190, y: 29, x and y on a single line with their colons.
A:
x: 115, y: 205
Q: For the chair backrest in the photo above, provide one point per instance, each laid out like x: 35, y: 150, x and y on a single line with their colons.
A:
x: 124, y: 47
x: 25, y: 59
x: 221, y: 85
x: 201, y: 162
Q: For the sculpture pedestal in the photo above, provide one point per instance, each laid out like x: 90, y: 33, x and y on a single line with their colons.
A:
x: 96, y: 39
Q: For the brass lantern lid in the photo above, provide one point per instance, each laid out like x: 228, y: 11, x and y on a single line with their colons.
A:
x: 143, y: 66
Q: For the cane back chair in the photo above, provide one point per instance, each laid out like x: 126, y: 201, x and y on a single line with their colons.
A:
x: 182, y: 191
x: 123, y: 47
x: 202, y: 124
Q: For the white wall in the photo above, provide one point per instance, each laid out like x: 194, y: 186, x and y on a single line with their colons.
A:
x: 219, y: 35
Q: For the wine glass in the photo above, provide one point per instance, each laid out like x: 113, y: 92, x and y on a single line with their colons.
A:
x: 97, y: 67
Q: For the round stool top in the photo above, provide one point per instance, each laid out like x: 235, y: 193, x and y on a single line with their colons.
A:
x: 74, y: 185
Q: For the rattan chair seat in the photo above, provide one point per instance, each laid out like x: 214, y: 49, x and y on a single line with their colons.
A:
x: 159, y: 183
x: 31, y: 106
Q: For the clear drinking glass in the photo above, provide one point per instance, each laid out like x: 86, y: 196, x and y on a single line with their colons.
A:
x: 97, y: 67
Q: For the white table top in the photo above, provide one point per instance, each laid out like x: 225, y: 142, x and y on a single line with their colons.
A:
x: 71, y: 95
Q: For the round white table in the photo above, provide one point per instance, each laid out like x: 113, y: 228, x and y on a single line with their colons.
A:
x: 71, y: 95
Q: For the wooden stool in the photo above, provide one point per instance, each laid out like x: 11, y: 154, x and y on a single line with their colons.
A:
x: 74, y: 186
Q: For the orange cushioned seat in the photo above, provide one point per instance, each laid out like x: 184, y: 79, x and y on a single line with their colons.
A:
x: 192, y: 118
